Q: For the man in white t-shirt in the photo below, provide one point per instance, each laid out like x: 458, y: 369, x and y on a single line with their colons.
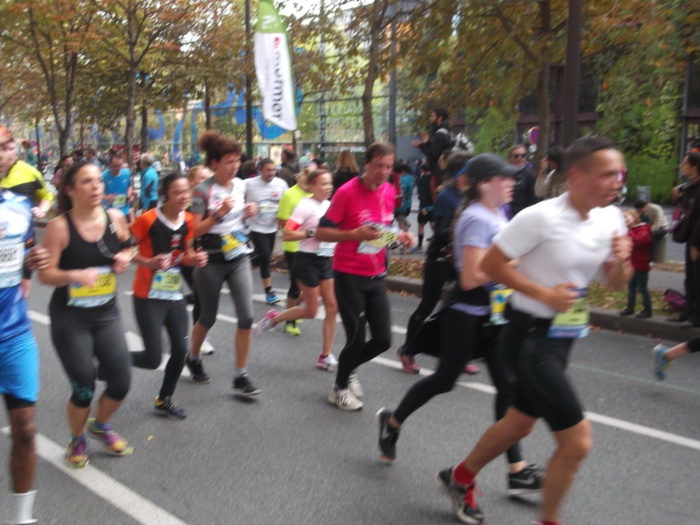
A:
x: 560, y: 245
x: 266, y: 190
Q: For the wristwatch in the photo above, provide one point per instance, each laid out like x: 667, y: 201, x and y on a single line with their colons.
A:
x: 310, y: 233
x: 217, y: 217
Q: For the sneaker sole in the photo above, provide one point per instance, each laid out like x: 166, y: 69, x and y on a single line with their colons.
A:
x: 456, y: 505
x: 331, y: 368
x: 240, y: 393
x: 200, y: 382
x: 168, y: 415
x: 344, y: 409
x: 74, y: 465
x: 522, y: 492
x: 126, y: 452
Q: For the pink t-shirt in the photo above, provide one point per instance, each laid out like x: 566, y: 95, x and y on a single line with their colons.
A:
x: 353, y: 205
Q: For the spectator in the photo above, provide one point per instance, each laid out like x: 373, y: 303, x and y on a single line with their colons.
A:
x: 425, y: 203
x: 63, y: 165
x: 149, y: 183
x: 551, y: 180
x: 29, y: 155
x: 437, y: 141
x: 402, y: 173
x: 347, y: 169
x: 640, y: 233
x: 288, y: 168
x: 524, y: 192
x: 248, y: 169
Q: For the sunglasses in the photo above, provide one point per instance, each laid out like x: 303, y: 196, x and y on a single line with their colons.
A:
x: 518, y: 155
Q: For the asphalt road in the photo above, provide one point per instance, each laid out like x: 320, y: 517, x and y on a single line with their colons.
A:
x: 289, y: 458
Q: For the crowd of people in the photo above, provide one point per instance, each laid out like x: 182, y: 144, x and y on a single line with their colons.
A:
x: 516, y: 270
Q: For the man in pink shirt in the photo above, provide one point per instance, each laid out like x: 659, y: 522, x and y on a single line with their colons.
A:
x: 359, y: 220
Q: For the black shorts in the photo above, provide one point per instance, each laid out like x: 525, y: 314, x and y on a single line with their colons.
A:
x: 311, y: 269
x: 425, y: 218
x: 542, y: 388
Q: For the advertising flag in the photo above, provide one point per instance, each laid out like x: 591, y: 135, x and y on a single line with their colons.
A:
x: 273, y: 68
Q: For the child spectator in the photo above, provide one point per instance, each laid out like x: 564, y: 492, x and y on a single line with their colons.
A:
x: 640, y: 232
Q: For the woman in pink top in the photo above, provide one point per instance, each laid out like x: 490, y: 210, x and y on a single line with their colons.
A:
x: 359, y: 220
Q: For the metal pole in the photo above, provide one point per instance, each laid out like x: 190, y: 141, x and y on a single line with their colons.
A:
x: 248, y: 88
x: 392, y: 87
x: 572, y: 71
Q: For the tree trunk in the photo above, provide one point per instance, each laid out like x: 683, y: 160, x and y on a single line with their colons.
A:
x: 38, y: 140
x: 144, y: 128
x: 543, y: 92
x: 207, y: 105
x: 130, y: 116
x: 375, y: 36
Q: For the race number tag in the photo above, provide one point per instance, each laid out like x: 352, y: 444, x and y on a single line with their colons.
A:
x: 166, y: 285
x: 388, y: 235
x: 234, y: 245
x: 499, y: 298
x: 572, y: 324
x: 11, y: 261
x: 267, y: 209
x: 119, y: 201
x: 326, y: 249
x: 103, y: 291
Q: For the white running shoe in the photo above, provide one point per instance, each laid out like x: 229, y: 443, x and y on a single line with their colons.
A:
x: 207, y: 348
x: 344, y: 400
x: 355, y: 386
x: 327, y: 362
x: 265, y: 324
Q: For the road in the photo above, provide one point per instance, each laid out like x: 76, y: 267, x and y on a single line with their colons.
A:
x: 289, y: 458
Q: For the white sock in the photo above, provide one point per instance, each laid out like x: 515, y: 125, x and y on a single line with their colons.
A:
x: 240, y: 371
x: 22, y: 505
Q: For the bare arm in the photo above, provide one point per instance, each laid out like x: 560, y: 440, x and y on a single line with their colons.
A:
x: 363, y: 233
x: 619, y: 271
x: 55, y: 241
x: 471, y: 275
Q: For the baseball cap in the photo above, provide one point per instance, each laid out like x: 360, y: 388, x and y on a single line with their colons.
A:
x: 487, y: 165
x: 5, y: 135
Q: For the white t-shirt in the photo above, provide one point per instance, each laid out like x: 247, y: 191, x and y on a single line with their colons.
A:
x: 267, y: 195
x: 554, y: 245
x: 209, y: 195
x: 307, y: 214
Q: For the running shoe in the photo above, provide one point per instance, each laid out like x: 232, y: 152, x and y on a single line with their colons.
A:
x: 207, y: 348
x: 463, y: 500
x: 408, y: 362
x: 168, y: 408
x: 291, y: 328
x: 327, y: 362
x: 344, y: 400
x: 388, y: 436
x: 471, y: 369
x: 644, y: 314
x: 271, y: 298
x: 76, y: 452
x: 355, y: 386
x: 196, y: 368
x: 243, y: 387
x: 528, y: 481
x: 660, y: 364
x: 266, y: 324
x: 112, y: 442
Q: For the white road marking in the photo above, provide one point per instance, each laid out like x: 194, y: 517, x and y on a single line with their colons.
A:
x: 129, y: 502
x: 39, y: 318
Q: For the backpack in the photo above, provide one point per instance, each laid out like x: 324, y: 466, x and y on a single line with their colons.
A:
x: 458, y: 141
x: 675, y: 300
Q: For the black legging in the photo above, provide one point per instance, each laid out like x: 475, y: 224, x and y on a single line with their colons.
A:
x: 361, y: 300
x: 461, y: 337
x: 152, y: 315
x: 435, y: 275
x: 264, y: 243
x: 188, y: 274
x: 694, y: 344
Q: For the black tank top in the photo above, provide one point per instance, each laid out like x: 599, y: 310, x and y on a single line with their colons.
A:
x: 80, y: 254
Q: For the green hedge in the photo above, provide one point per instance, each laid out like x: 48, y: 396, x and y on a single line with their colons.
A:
x: 659, y: 175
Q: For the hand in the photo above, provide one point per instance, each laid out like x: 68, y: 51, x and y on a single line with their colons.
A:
x: 561, y: 297
x: 226, y: 207
x: 86, y: 277
x: 424, y: 212
x: 160, y: 262
x: 251, y: 209
x: 38, y: 212
x: 416, y: 143
x: 37, y: 258
x: 407, y: 239
x: 365, y: 233
x: 121, y: 261
x: 201, y: 258
x: 622, y: 248
x: 694, y: 253
x: 424, y: 136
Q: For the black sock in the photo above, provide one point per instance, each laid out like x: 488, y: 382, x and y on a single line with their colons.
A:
x: 420, y: 240
x: 268, y: 289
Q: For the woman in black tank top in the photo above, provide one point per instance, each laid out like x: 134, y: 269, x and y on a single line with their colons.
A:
x: 88, y: 247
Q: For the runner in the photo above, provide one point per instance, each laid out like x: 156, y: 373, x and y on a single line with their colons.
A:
x: 88, y: 247
x: 466, y: 325
x: 265, y: 190
x: 289, y: 201
x: 118, y: 192
x: 664, y: 355
x: 164, y: 236
x: 219, y: 211
x: 19, y: 355
x: 312, y: 266
x: 560, y: 245
x: 359, y: 220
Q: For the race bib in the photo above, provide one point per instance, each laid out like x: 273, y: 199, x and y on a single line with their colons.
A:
x: 233, y: 245
x: 119, y: 201
x: 11, y: 262
x: 268, y: 209
x: 326, y: 249
x: 572, y: 324
x: 103, y: 291
x: 388, y: 234
x: 499, y: 299
x: 166, y: 285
